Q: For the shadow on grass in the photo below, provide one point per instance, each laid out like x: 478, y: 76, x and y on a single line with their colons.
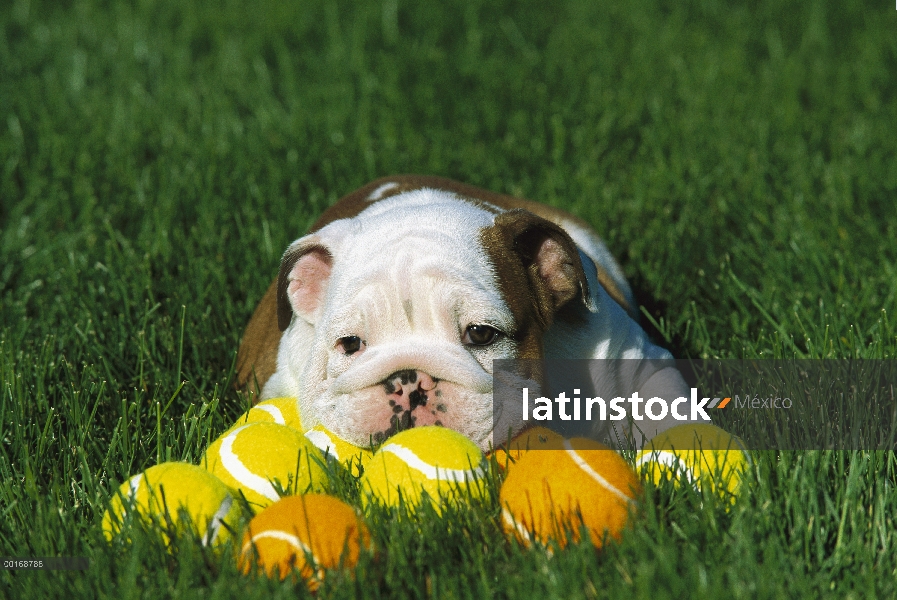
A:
x: 658, y: 309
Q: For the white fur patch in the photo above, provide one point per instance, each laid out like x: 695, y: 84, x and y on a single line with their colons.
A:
x: 381, y: 190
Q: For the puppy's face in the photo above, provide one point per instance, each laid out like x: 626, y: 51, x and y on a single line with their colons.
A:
x: 410, y: 303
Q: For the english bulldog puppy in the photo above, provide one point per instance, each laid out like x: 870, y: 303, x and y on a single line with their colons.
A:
x: 389, y: 313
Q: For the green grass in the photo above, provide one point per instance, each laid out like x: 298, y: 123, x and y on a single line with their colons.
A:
x: 157, y: 156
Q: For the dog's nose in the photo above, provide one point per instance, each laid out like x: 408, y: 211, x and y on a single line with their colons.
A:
x: 408, y: 389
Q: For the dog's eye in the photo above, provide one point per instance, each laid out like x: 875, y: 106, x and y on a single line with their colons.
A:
x: 349, y: 344
x: 480, y: 335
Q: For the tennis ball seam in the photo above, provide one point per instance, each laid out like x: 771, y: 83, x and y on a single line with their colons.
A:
x: 323, y: 442
x: 672, y: 461
x: 582, y: 464
x: 520, y: 528
x: 431, y: 472
x: 278, y: 535
x: 134, y: 484
x: 274, y: 412
x: 240, y: 472
x: 217, y: 520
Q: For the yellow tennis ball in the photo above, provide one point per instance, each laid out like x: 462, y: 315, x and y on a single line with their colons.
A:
x: 535, y: 438
x: 283, y: 411
x: 551, y: 494
x: 253, y: 457
x: 167, y: 492
x: 351, y: 456
x: 432, y: 461
x: 307, y: 533
x: 698, y: 454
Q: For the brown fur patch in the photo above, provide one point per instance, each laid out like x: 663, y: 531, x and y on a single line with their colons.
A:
x: 513, y: 282
x: 516, y: 244
x: 257, y: 356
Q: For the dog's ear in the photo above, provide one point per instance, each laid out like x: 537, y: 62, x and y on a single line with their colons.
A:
x: 305, y: 271
x: 548, y: 256
x: 302, y: 281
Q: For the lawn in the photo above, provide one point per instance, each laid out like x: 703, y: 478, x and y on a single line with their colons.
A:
x: 156, y: 157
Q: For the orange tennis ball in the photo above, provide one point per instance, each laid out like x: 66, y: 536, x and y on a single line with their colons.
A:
x: 535, y: 438
x: 305, y: 533
x: 551, y: 494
